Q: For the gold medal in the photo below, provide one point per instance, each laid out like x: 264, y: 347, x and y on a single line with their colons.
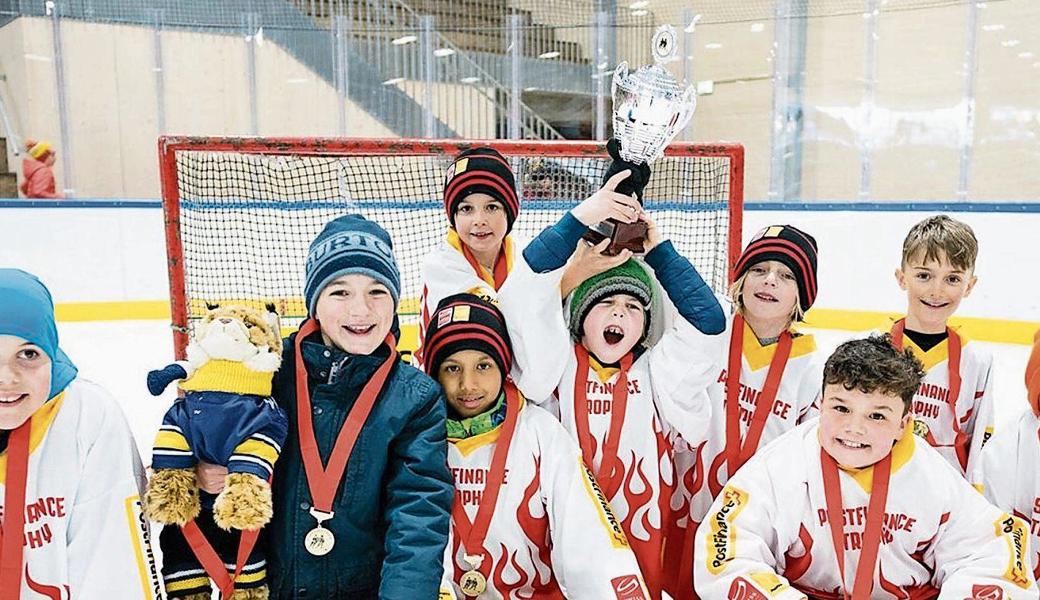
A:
x: 319, y: 541
x: 473, y: 583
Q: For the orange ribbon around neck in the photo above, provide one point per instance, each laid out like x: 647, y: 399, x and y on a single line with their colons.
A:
x: 473, y: 533
x: 13, y: 531
x: 736, y: 453
x: 610, y: 470
x: 953, y: 364
x: 323, y: 481
x: 498, y: 273
x: 863, y: 583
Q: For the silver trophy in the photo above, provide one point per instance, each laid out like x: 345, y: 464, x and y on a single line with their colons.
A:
x: 650, y: 109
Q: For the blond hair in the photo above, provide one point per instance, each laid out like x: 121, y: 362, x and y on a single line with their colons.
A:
x: 736, y: 295
x: 940, y: 236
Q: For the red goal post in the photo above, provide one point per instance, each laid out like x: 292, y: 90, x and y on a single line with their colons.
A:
x: 240, y: 212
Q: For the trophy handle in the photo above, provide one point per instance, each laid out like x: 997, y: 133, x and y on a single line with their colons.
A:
x: 620, y: 72
x: 689, y: 104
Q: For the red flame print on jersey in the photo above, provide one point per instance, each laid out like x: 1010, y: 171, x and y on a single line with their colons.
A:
x: 519, y: 580
x: 536, y: 530
x: 798, y: 564
x: 52, y: 592
x: 648, y: 541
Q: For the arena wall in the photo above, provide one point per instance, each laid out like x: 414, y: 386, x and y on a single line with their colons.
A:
x: 110, y: 263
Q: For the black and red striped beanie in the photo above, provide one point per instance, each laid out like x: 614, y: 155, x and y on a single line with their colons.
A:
x: 481, y: 170
x: 466, y: 322
x: 790, y: 246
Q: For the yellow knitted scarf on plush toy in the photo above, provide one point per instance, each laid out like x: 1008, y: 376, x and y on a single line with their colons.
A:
x: 228, y: 376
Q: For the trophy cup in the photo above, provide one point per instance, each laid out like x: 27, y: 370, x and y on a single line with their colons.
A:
x: 649, y: 111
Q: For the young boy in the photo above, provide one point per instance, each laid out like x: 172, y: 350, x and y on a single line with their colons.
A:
x: 853, y: 505
x: 529, y: 520
x: 479, y: 251
x: 366, y: 519
x: 627, y: 392
x: 953, y: 409
x: 70, y: 474
x: 777, y: 379
x: 1010, y: 461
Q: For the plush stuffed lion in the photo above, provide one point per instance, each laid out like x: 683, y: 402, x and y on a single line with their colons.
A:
x: 226, y: 417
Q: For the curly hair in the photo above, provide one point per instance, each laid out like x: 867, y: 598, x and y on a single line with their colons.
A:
x: 873, y: 364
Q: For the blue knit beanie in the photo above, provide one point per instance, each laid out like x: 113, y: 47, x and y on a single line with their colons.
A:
x: 27, y: 312
x: 350, y: 244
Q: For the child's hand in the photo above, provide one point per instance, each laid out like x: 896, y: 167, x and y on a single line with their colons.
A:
x: 210, y: 477
x: 653, y: 234
x: 588, y: 261
x: 606, y: 203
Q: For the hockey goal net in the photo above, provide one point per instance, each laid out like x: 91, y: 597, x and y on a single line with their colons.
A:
x: 241, y: 212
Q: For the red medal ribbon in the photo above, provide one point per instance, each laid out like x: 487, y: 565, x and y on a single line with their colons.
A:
x: 12, y: 544
x: 499, y: 273
x: 737, y: 454
x: 211, y: 562
x: 323, y: 481
x: 864, y: 580
x: 473, y: 533
x: 953, y: 363
x: 610, y: 469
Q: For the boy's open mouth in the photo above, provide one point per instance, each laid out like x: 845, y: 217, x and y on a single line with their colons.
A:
x: 613, y: 334
x: 851, y: 445
x: 766, y: 297
x: 12, y: 398
x: 483, y: 235
x: 359, y: 329
x: 934, y: 303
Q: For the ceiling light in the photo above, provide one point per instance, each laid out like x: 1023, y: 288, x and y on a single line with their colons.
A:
x: 713, y: 45
x: 393, y: 81
x: 640, y: 13
x: 442, y: 52
x: 758, y: 27
x: 1010, y: 43
x: 551, y: 54
x: 639, y: 4
x: 404, y: 39
x: 993, y: 27
x: 469, y: 79
x: 1025, y: 55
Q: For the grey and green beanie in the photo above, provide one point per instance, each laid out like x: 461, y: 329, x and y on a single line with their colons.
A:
x: 627, y: 278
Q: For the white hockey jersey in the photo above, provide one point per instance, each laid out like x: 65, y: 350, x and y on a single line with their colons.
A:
x: 85, y: 534
x: 933, y: 416
x: 767, y: 535
x: 1011, y: 475
x: 446, y: 272
x: 666, y: 403
x: 552, y: 535
x: 703, y: 472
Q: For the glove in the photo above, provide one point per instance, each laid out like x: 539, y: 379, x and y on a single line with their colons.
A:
x: 158, y: 380
x: 636, y: 181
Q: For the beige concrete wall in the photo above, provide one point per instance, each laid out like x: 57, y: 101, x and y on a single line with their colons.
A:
x: 914, y: 130
x: 112, y: 104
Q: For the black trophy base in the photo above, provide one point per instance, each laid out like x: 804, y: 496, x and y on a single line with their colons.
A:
x: 623, y: 236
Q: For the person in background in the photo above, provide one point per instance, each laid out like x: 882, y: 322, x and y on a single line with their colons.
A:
x: 38, y: 171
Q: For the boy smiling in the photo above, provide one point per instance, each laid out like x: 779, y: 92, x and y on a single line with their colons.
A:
x: 953, y: 409
x: 854, y: 506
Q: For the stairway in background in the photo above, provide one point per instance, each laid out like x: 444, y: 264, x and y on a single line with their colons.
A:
x: 282, y: 23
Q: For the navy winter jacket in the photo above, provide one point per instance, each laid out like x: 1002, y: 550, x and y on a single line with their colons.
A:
x: 393, y: 505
